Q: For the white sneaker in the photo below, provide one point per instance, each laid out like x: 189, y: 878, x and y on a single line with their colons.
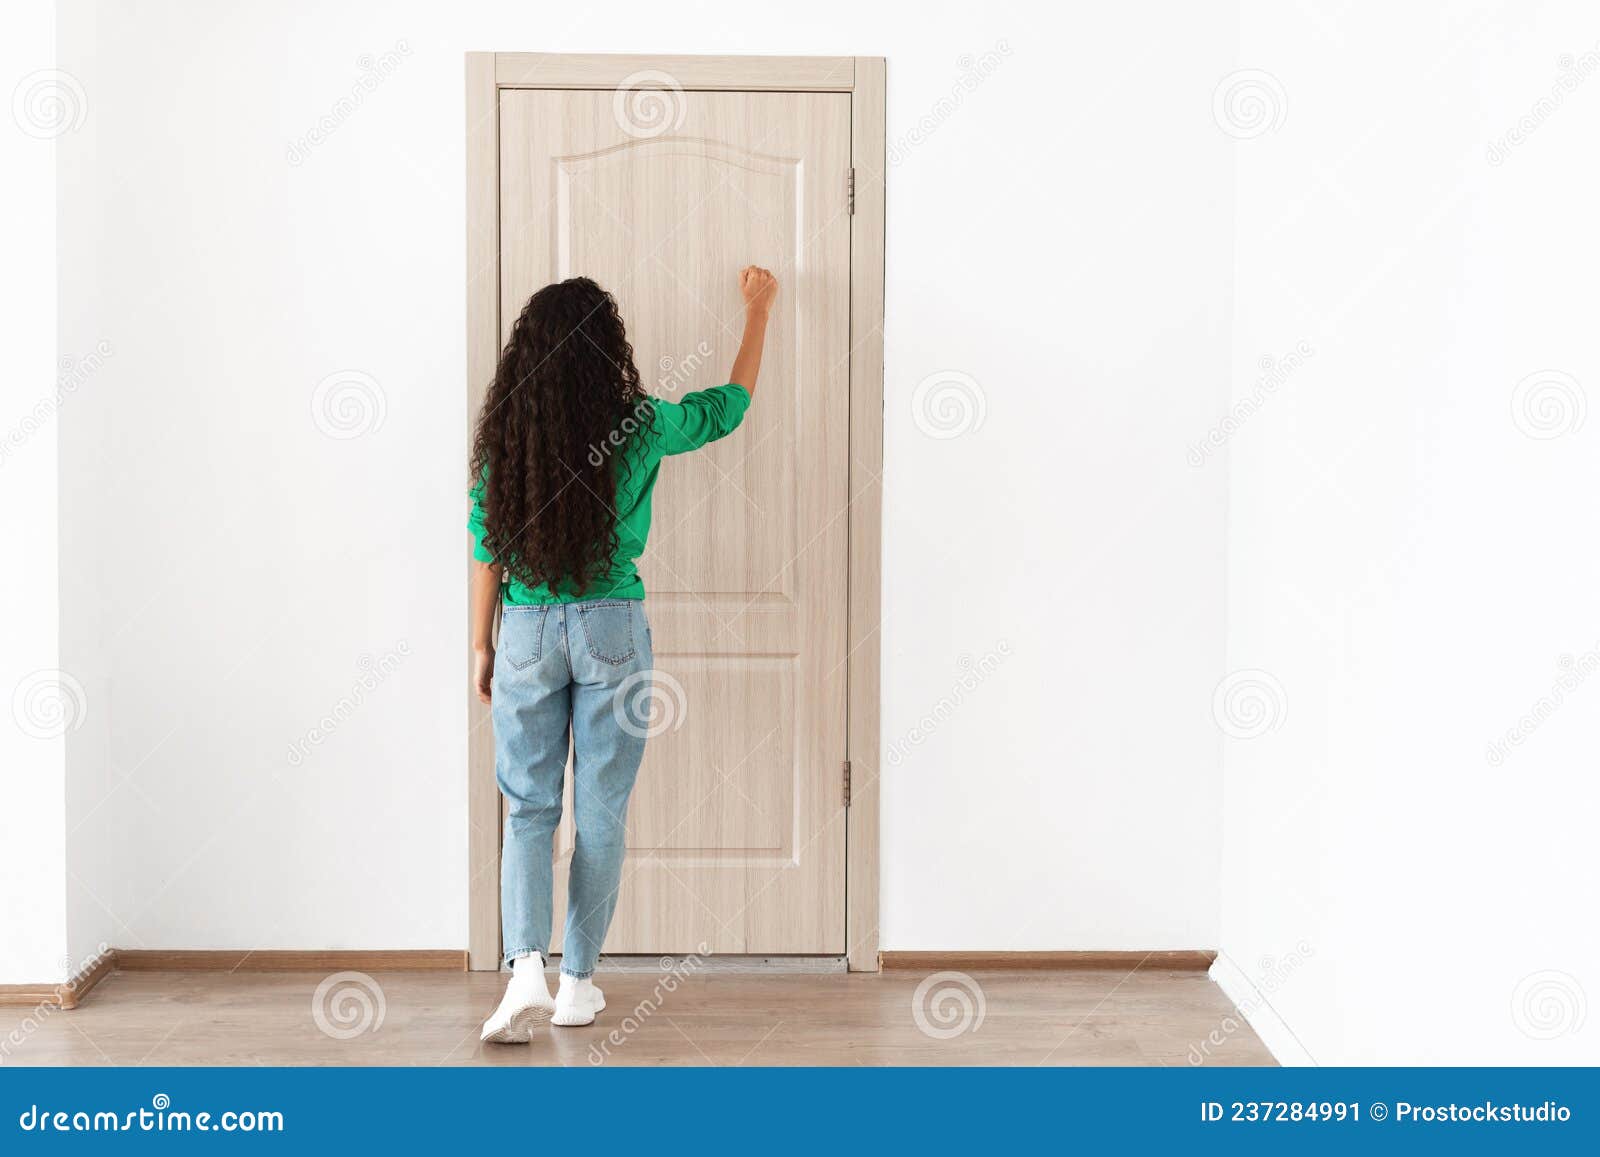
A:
x: 526, y: 1005
x: 577, y: 1002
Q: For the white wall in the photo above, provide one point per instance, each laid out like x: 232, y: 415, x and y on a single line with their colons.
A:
x: 1062, y: 236
x: 1065, y: 240
x: 1412, y: 567
x: 41, y: 703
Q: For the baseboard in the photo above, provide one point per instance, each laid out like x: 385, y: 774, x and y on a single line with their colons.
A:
x: 32, y: 995
x: 68, y: 994
x: 291, y: 960
x: 1191, y: 960
x: 1273, y: 1030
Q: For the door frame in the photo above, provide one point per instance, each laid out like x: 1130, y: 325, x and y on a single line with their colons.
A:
x: 487, y: 74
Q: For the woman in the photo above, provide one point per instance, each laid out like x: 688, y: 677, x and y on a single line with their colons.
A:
x: 565, y: 458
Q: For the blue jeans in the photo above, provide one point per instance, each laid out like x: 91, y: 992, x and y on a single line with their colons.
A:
x: 578, y: 669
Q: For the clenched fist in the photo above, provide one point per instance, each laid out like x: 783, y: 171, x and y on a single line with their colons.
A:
x: 758, y: 287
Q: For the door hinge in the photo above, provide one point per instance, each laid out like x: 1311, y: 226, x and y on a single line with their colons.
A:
x: 850, y: 190
x: 846, y: 768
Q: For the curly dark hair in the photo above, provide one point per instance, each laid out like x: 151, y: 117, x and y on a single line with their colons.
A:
x: 565, y: 385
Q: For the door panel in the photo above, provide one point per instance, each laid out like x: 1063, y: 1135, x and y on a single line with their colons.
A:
x: 736, y: 830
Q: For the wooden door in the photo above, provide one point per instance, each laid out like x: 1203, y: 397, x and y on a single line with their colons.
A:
x: 736, y: 837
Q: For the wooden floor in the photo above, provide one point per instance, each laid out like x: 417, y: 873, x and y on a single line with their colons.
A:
x: 1073, y: 1017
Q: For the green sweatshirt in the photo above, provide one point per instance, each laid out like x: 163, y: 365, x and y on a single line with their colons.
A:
x: 664, y: 428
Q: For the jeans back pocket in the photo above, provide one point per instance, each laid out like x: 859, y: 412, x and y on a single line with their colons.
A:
x: 522, y: 635
x: 608, y: 630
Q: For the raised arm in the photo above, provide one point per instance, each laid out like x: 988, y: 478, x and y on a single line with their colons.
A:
x: 759, y: 289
